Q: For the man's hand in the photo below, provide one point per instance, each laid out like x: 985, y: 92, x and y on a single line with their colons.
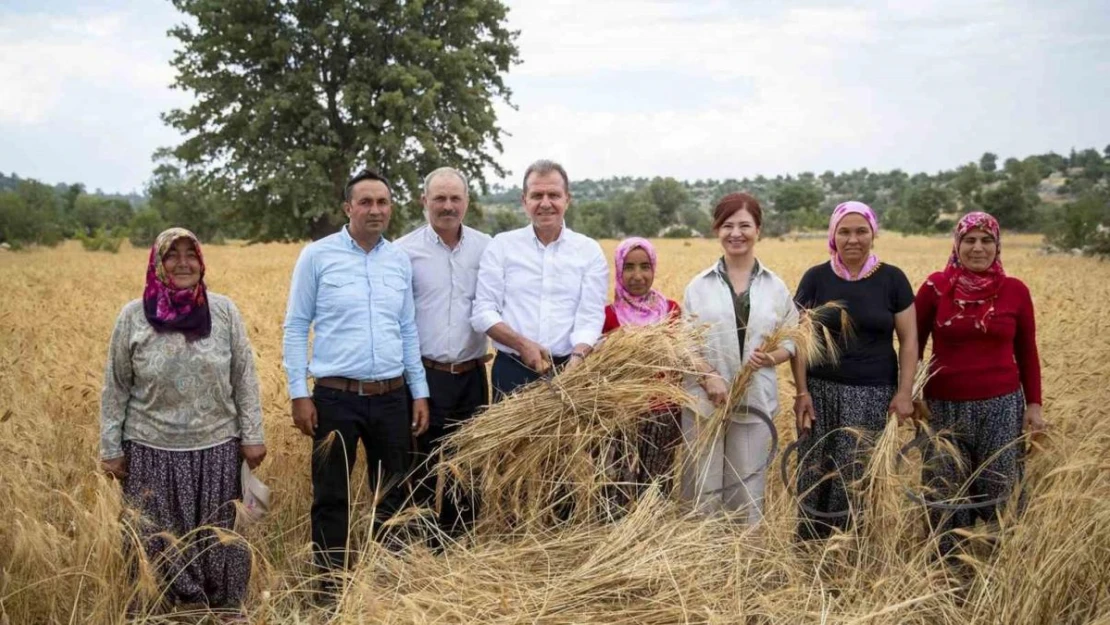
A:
x: 534, y: 356
x: 116, y: 467
x: 253, y: 454
x: 420, y: 413
x: 304, y: 415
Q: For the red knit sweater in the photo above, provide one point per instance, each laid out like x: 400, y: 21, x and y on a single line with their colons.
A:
x: 971, y: 364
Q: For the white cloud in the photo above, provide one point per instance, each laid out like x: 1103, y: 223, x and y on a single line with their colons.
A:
x: 47, y: 61
x: 915, y: 85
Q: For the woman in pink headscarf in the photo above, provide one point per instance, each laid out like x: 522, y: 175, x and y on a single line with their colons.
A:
x: 636, y: 303
x: 986, y: 378
x: 843, y: 405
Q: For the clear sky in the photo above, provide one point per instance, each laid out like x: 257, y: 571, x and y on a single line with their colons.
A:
x: 686, y: 88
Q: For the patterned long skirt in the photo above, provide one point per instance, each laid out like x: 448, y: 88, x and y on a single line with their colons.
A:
x: 834, y: 455
x: 976, y: 456
x: 651, y: 457
x: 177, y: 492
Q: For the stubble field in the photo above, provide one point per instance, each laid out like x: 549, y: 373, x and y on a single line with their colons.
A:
x: 61, y: 559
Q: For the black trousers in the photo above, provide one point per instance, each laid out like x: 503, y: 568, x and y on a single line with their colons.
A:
x: 455, y: 398
x: 382, y: 424
x: 509, y: 373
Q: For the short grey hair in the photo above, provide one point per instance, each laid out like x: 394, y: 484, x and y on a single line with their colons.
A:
x: 545, y: 166
x: 445, y: 170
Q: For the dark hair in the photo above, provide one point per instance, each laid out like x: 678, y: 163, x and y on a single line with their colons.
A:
x: 544, y: 166
x: 365, y: 174
x: 731, y: 204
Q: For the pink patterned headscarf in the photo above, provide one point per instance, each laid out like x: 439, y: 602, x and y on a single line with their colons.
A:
x: 637, y: 310
x: 965, y: 292
x: 840, y: 212
x: 167, y: 307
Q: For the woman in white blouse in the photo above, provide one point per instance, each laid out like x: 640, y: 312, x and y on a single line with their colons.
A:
x: 179, y: 411
x: 742, y: 302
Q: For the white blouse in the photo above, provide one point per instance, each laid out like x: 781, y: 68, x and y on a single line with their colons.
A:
x: 709, y: 300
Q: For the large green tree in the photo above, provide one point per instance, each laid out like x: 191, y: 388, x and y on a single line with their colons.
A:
x: 1012, y: 204
x: 923, y: 205
x: 669, y: 196
x: 292, y: 96
x: 796, y: 196
x: 988, y: 162
x: 182, y: 200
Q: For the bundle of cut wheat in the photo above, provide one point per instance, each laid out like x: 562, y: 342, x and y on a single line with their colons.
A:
x: 543, y: 454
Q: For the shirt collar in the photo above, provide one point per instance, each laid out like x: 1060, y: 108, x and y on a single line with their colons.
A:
x: 722, y: 269
x: 561, y: 237
x: 431, y: 236
x: 351, y: 243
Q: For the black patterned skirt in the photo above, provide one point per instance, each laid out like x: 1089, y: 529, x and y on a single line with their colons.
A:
x: 976, y: 456
x: 834, y: 455
x: 177, y: 492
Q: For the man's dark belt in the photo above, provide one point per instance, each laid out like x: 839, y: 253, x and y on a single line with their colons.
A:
x: 362, y: 387
x: 456, y: 368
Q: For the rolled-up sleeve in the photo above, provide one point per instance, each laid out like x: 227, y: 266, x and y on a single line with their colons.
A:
x: 299, y: 312
x: 489, y: 296
x: 415, y: 376
x: 118, y: 377
x: 590, y: 316
x: 244, y: 381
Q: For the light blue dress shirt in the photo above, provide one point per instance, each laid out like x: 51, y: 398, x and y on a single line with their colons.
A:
x: 361, y: 309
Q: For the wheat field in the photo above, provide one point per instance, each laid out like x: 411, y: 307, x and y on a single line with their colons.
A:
x: 62, y: 561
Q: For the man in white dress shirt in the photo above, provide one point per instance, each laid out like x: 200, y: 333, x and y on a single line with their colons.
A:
x: 541, y: 288
x: 445, y: 256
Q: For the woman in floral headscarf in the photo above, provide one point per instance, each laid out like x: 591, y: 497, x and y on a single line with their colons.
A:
x: 179, y: 411
x: 844, y: 405
x: 986, y: 375
x: 636, y: 303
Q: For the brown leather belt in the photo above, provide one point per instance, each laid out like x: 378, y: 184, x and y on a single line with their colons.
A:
x: 362, y: 387
x: 455, y: 368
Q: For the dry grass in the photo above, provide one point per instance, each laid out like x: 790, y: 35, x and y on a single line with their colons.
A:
x: 61, y: 559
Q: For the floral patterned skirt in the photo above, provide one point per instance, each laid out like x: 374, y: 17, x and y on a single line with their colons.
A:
x: 177, y: 492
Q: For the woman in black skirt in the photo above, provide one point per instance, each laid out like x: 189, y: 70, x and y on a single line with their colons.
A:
x: 179, y: 411
x: 841, y: 407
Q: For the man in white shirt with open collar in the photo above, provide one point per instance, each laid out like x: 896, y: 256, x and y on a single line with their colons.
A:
x: 445, y: 255
x: 541, y: 288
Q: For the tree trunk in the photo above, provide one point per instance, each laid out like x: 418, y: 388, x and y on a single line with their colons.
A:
x: 322, y: 226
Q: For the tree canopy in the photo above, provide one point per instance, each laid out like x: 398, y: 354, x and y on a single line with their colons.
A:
x: 291, y: 96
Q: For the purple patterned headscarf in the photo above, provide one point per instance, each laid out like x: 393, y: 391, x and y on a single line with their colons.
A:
x: 167, y: 307
x: 840, y: 212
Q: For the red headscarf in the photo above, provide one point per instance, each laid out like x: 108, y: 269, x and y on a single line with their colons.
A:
x: 967, y: 293
x: 171, y: 309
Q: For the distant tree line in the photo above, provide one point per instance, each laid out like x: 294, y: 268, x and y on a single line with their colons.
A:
x: 1065, y: 197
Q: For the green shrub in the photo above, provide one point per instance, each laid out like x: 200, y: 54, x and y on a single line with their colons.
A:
x: 145, y: 226
x: 1080, y: 225
x: 101, y: 241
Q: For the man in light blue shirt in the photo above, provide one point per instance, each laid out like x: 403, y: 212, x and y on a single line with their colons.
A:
x: 355, y: 289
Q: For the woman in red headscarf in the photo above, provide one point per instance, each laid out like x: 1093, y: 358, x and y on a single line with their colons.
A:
x: 986, y: 375
x: 180, y: 410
